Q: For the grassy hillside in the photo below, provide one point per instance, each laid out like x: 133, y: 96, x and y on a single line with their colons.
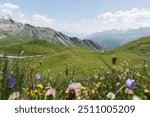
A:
x: 11, y: 40
x: 140, y: 46
x: 13, y: 45
x: 97, y: 72
x: 81, y: 61
x: 30, y: 47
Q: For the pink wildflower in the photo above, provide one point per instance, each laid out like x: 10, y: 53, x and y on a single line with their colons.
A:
x: 73, y: 90
x: 51, y: 92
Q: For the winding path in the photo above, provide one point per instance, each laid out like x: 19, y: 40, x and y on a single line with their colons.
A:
x: 18, y: 57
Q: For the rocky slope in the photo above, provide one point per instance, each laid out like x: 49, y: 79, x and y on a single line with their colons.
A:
x: 10, y: 27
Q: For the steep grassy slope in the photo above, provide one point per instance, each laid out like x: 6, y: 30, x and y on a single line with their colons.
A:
x: 140, y: 46
x: 10, y: 40
x: 32, y: 47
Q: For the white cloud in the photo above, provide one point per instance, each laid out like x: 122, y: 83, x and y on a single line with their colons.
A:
x: 42, y: 20
x: 10, y: 6
x: 20, y: 17
x: 133, y: 18
x: 6, y: 9
x: 5, y: 13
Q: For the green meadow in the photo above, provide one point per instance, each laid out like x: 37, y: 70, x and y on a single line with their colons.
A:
x: 73, y: 72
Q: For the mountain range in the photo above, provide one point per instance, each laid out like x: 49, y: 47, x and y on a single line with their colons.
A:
x: 114, y: 38
x: 27, y: 31
x: 11, y: 30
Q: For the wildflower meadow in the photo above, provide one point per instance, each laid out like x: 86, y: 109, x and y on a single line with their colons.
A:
x: 20, y: 80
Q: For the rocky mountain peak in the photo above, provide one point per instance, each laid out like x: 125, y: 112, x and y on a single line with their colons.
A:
x: 43, y: 33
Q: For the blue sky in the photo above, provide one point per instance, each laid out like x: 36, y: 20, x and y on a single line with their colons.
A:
x: 86, y: 16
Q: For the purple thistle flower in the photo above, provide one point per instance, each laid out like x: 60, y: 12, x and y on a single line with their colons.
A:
x: 130, y: 83
x: 12, y: 83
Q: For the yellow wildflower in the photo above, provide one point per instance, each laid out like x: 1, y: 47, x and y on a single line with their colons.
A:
x: 93, y: 92
x: 83, y: 88
x: 30, y: 93
x: 98, y: 84
x: 146, y: 91
x: 35, y: 91
x: 44, y: 91
x: 48, y: 87
x: 40, y: 86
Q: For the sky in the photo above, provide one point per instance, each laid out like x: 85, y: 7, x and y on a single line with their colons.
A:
x: 84, y: 16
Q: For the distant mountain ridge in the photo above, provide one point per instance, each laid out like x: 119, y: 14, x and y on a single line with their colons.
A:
x: 11, y: 27
x: 114, y: 38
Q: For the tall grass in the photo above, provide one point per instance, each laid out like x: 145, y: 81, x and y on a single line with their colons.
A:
x: 100, y: 84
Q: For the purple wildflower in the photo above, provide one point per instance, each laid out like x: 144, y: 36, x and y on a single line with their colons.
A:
x: 9, y: 76
x: 38, y: 77
x: 12, y: 83
x: 117, y: 84
x: 48, y: 84
x: 130, y: 83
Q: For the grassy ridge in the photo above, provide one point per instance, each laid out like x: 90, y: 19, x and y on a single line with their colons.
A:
x: 140, y: 46
x: 32, y: 47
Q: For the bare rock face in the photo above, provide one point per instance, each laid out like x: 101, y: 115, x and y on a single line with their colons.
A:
x: 92, y: 44
x: 11, y: 26
x: 42, y: 33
